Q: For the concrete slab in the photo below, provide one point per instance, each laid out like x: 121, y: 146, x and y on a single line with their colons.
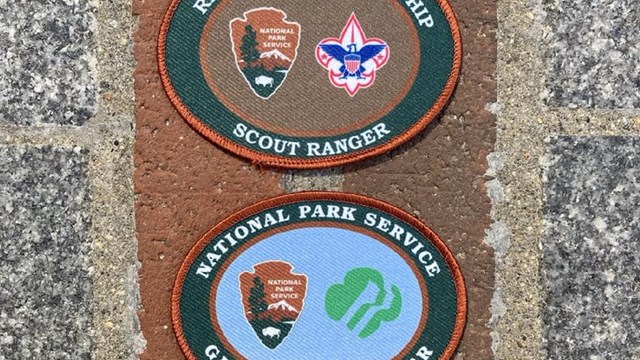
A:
x: 46, y: 62
x: 45, y: 286
x: 591, y: 260
x: 323, y: 180
x: 593, y: 53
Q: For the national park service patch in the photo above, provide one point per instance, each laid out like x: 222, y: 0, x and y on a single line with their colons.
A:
x: 319, y: 276
x: 305, y: 84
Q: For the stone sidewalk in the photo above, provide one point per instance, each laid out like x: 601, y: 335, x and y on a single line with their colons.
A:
x: 68, y: 287
x: 532, y: 176
x: 567, y: 160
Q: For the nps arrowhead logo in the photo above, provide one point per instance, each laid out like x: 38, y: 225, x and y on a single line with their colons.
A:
x: 273, y: 297
x: 265, y: 46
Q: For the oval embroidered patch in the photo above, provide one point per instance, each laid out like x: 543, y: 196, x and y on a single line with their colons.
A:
x: 303, y: 84
x: 319, y: 276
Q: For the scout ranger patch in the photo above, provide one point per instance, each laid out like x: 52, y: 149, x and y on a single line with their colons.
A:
x: 309, y: 84
x: 319, y: 276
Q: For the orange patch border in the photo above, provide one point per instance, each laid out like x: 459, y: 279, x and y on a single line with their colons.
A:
x: 452, y: 263
x: 261, y: 159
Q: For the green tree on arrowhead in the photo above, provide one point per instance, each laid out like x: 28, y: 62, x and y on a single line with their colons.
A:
x: 256, y: 297
x: 249, y: 47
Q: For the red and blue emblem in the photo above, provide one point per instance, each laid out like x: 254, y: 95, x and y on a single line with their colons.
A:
x: 352, y: 59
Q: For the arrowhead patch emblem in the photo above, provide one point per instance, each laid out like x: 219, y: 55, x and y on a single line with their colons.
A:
x: 273, y: 298
x: 265, y: 45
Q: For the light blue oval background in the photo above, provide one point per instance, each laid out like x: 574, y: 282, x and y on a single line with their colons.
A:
x: 325, y: 255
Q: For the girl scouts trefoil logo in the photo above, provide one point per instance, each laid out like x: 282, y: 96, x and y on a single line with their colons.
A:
x: 265, y: 46
x: 342, y: 297
x: 352, y: 59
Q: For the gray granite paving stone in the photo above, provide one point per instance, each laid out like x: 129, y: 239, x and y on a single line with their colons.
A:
x: 594, y: 53
x: 46, y: 55
x: 591, y: 248
x: 45, y: 289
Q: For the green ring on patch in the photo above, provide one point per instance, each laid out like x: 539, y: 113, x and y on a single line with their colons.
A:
x: 371, y: 279
x: 285, y: 84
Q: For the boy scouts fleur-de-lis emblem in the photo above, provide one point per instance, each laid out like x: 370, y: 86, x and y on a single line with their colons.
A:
x: 352, y: 59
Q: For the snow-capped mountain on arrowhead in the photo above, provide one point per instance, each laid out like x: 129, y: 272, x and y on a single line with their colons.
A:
x: 275, y: 54
x: 283, y: 305
x: 280, y: 311
x: 273, y: 60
